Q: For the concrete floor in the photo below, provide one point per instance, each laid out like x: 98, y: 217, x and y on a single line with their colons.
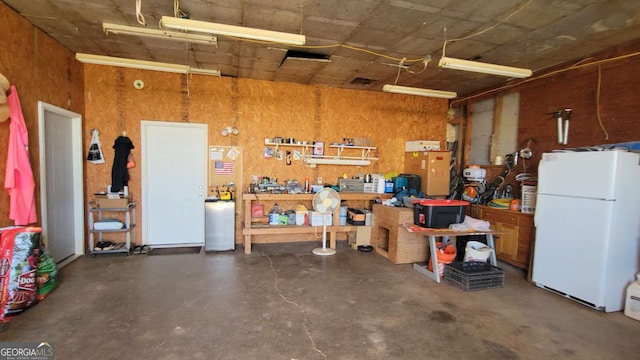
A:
x: 282, y: 302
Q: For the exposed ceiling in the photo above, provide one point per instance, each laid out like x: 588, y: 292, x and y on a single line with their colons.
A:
x: 534, y: 34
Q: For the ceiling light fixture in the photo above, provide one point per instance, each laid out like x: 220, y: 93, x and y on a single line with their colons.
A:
x: 485, y: 68
x: 199, y: 71
x: 231, y: 30
x: 159, y: 34
x: 397, y: 89
x: 143, y: 64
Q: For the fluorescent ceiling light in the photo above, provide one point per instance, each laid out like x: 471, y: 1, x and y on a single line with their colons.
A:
x: 142, y: 64
x: 418, y: 91
x: 199, y: 71
x: 324, y: 161
x: 485, y: 68
x: 159, y: 34
x: 231, y: 30
x: 131, y: 63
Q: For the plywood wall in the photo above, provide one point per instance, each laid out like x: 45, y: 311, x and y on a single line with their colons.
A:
x: 260, y: 110
x: 41, y: 70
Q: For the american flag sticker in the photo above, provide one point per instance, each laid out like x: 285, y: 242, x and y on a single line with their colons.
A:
x: 223, y: 168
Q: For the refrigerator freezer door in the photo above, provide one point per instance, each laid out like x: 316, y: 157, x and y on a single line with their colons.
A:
x: 573, y: 259
x: 579, y: 174
x: 219, y: 226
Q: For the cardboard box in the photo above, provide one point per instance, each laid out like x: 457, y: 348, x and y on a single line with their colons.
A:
x: 362, y: 236
x: 103, y: 201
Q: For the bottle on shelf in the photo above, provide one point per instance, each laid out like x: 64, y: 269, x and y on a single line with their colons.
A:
x: 274, y: 214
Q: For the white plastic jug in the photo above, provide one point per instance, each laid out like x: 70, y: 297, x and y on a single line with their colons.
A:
x: 632, y: 303
x: 274, y: 215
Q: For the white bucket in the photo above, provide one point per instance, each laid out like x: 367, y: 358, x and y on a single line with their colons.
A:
x: 477, y: 251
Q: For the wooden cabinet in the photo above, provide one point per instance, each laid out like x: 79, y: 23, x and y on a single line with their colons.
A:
x: 393, y: 242
x: 514, y: 244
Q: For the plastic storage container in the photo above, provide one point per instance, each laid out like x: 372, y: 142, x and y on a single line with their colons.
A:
x: 356, y: 216
x: 439, y: 213
x: 632, y: 302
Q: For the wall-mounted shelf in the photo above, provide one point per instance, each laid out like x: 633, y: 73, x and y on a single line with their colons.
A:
x: 364, y: 159
x: 335, y: 161
x: 304, y: 147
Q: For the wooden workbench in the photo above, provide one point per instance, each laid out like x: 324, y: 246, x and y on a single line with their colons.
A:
x: 290, y: 233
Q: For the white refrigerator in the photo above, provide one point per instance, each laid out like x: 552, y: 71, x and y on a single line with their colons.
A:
x: 587, y: 222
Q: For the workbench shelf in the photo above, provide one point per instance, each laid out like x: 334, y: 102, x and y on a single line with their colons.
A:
x: 129, y: 213
x: 264, y: 233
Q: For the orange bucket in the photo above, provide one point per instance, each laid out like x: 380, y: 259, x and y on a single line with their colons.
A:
x: 446, y: 255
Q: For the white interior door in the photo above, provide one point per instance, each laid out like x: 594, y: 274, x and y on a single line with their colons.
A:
x: 61, y: 186
x: 174, y: 177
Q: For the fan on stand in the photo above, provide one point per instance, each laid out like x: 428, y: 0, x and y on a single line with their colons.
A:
x: 326, y: 201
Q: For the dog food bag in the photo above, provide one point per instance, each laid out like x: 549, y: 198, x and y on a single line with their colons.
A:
x: 19, y: 255
x: 46, y: 274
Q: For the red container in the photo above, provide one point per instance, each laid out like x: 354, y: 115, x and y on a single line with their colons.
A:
x: 438, y: 214
x: 257, y: 210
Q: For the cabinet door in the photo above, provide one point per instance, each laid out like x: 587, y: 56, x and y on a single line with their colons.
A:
x: 507, y: 242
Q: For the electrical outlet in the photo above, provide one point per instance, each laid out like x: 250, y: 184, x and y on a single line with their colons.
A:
x: 319, y: 180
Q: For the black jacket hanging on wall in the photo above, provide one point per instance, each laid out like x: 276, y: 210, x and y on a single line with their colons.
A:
x: 119, y: 172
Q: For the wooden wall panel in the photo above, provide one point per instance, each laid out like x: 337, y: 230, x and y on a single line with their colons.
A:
x: 259, y: 109
x: 42, y: 70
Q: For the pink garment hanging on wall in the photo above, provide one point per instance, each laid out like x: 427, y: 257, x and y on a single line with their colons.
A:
x: 19, y: 176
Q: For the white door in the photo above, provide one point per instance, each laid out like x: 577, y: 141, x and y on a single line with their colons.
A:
x: 61, y: 185
x: 174, y: 180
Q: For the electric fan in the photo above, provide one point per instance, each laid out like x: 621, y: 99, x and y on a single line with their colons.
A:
x: 326, y: 201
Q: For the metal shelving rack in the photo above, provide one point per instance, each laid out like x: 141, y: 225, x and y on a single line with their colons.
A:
x: 128, y: 230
